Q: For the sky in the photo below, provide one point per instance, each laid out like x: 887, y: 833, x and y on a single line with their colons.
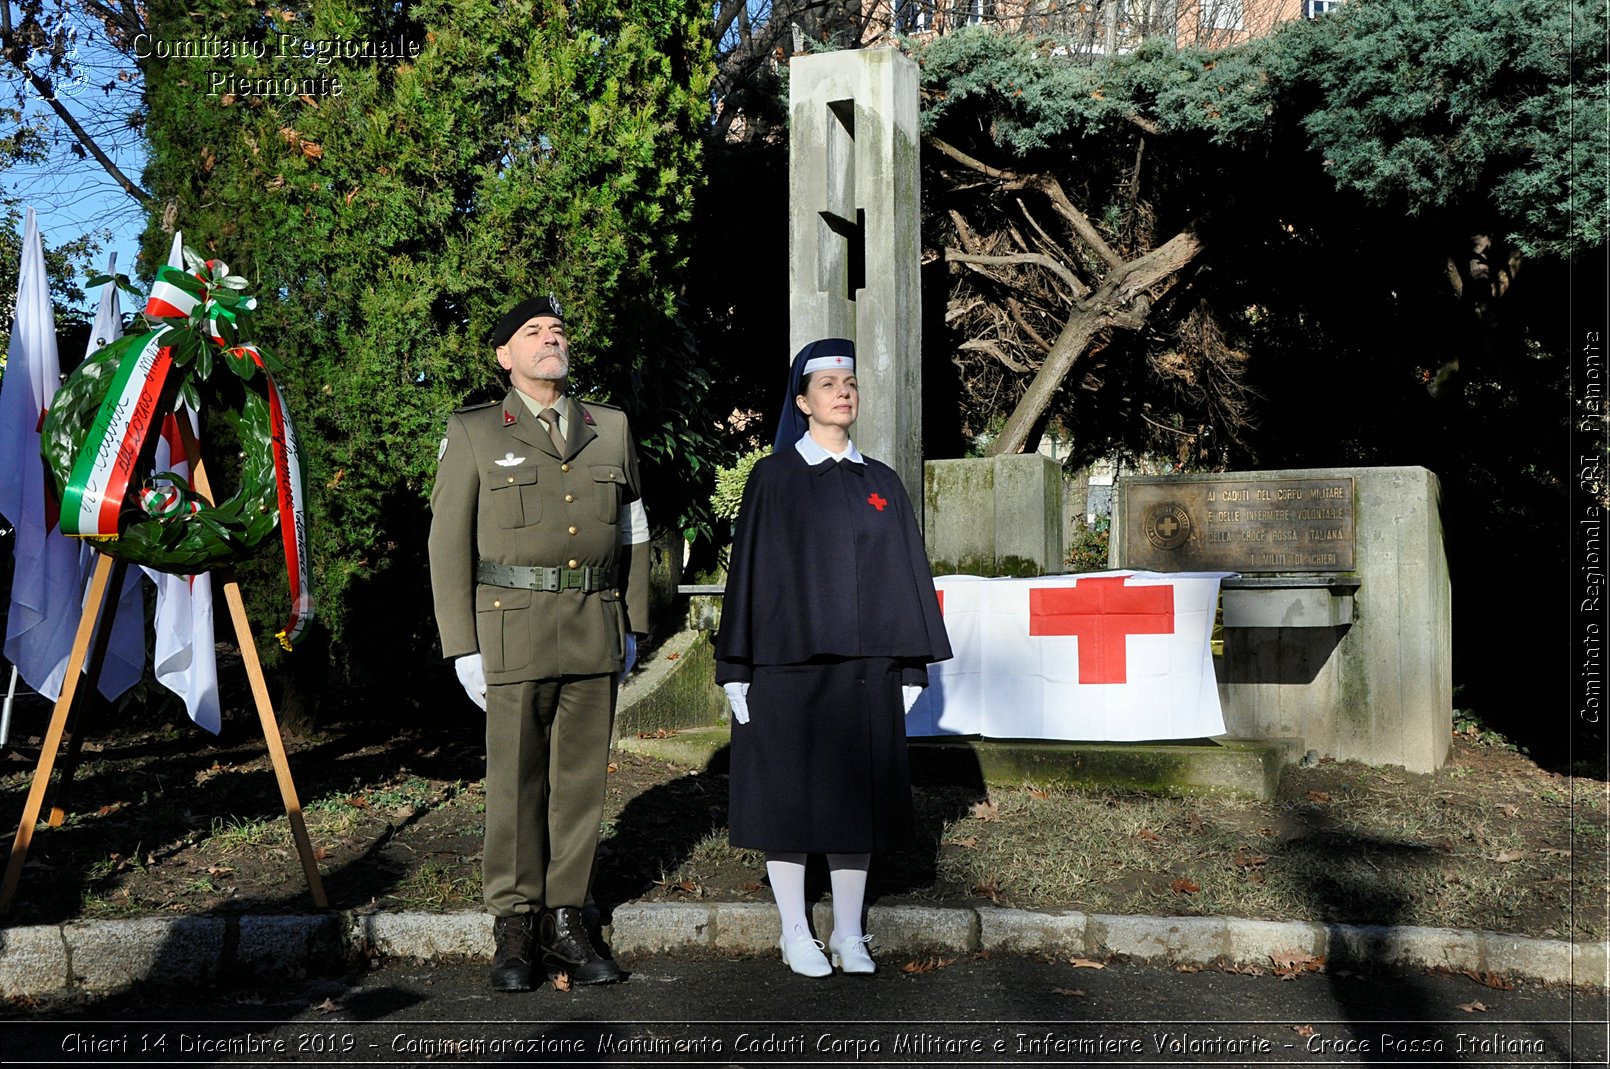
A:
x: 74, y: 195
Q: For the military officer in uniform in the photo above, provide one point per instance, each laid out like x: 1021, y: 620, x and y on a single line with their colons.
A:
x: 539, y: 571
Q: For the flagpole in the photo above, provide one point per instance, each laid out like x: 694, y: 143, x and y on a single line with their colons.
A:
x: 5, y: 712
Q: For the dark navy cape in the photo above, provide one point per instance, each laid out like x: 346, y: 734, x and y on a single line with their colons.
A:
x: 827, y: 562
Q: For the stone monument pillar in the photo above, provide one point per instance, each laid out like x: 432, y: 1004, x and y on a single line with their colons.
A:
x: 854, y: 237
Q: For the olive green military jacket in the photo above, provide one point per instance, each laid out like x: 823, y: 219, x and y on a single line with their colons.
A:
x: 504, y: 494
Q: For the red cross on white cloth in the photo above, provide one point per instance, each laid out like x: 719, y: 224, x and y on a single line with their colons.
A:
x: 1110, y: 656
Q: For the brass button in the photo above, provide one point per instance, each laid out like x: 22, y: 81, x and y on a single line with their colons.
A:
x: 497, y: 604
x: 572, y: 530
x: 569, y: 498
x: 611, y: 476
x: 572, y: 563
x: 511, y: 478
x: 564, y: 467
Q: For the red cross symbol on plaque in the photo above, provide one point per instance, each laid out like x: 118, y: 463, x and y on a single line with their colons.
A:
x: 877, y: 502
x: 1102, y: 613
x: 1167, y: 526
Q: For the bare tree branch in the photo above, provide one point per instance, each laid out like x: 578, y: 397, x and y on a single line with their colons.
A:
x: 957, y: 256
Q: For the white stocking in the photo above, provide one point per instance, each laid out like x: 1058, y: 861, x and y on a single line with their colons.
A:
x: 787, y: 875
x: 848, y: 875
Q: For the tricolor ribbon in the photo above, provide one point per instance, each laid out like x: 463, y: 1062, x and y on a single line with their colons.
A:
x: 108, y: 462
x: 107, y: 466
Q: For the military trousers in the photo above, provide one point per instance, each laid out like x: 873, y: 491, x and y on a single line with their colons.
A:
x: 547, y: 767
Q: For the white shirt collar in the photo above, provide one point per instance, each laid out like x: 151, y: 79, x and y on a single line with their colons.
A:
x: 814, y: 453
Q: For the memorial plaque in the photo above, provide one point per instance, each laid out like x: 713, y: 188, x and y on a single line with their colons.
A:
x: 1237, y: 523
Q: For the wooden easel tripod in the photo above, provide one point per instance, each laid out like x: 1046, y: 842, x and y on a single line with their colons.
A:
x: 107, y: 577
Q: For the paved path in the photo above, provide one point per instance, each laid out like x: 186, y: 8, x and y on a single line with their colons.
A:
x: 706, y: 1009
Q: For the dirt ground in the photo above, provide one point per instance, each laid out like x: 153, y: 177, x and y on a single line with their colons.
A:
x: 164, y: 818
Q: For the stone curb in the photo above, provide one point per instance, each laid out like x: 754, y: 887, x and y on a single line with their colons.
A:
x: 103, y: 957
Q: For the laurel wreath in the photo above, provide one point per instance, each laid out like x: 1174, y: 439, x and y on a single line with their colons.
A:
x: 168, y: 526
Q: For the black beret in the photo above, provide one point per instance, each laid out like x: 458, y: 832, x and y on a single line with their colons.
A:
x: 516, y: 317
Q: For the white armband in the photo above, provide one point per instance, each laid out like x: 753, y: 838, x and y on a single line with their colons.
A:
x: 633, y: 523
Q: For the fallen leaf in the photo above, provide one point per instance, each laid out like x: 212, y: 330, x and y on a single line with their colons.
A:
x: 967, y: 843
x: 986, y: 810
x: 1266, y: 832
x: 612, y: 767
x: 219, y: 870
x: 1304, y: 1030
x: 312, y: 150
x: 320, y: 853
x: 1249, y: 860
x: 989, y: 889
x: 1473, y: 1007
x: 1035, y: 792
x: 750, y: 887
x: 1509, y: 810
x: 1188, y: 966
x: 1490, y: 979
x: 358, y: 802
x: 1071, y: 992
x: 561, y: 981
x: 1318, y: 796
x: 1246, y: 970
x: 1185, y: 886
x: 329, y: 1005
x: 1148, y: 835
x: 351, y: 193
x: 923, y: 965
x: 1292, y: 960
x: 1504, y: 857
x: 672, y: 656
x: 1085, y: 963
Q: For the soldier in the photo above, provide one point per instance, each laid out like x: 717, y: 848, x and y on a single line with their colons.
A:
x: 539, y: 570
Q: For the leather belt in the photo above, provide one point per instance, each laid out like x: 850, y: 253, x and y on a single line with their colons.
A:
x: 550, y: 580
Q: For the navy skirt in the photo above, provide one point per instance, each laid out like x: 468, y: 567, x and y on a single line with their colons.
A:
x: 822, y: 767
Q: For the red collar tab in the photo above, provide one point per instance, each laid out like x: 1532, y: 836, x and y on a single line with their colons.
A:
x: 587, y: 417
x: 508, y: 417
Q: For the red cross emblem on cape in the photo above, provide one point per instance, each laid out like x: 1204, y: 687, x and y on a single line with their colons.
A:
x: 877, y: 502
x: 1102, y: 613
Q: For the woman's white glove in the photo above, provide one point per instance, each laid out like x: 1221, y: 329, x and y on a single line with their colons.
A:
x: 738, y: 698
x: 631, y: 654
x: 472, y: 675
x: 909, y: 693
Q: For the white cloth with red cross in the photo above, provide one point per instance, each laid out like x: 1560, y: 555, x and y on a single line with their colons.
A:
x: 1107, y: 656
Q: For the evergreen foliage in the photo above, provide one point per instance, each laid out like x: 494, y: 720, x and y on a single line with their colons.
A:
x: 512, y: 148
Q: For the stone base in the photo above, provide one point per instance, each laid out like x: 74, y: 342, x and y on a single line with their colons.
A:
x: 1249, y: 767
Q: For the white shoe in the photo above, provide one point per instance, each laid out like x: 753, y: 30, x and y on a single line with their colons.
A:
x: 804, y: 954
x: 851, y: 954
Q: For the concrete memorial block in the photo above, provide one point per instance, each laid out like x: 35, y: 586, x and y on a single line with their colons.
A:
x: 995, y: 516
x: 855, y: 242
x: 1340, y: 630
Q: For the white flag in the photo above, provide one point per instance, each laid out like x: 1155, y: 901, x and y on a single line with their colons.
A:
x: 186, y: 662
x: 124, y: 662
x: 47, y: 586
x: 1110, y: 656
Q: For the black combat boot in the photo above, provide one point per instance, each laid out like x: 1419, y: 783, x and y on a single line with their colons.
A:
x: 516, y: 952
x: 568, y: 947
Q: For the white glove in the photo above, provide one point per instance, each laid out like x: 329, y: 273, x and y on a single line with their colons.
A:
x: 738, y: 698
x: 909, y: 693
x: 631, y: 655
x: 472, y: 675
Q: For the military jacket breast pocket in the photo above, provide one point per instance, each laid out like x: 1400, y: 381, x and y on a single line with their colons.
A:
x: 514, y: 494
x: 503, y: 627
x: 609, y: 482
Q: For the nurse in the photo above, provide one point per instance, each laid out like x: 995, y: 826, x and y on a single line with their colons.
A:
x: 828, y: 625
